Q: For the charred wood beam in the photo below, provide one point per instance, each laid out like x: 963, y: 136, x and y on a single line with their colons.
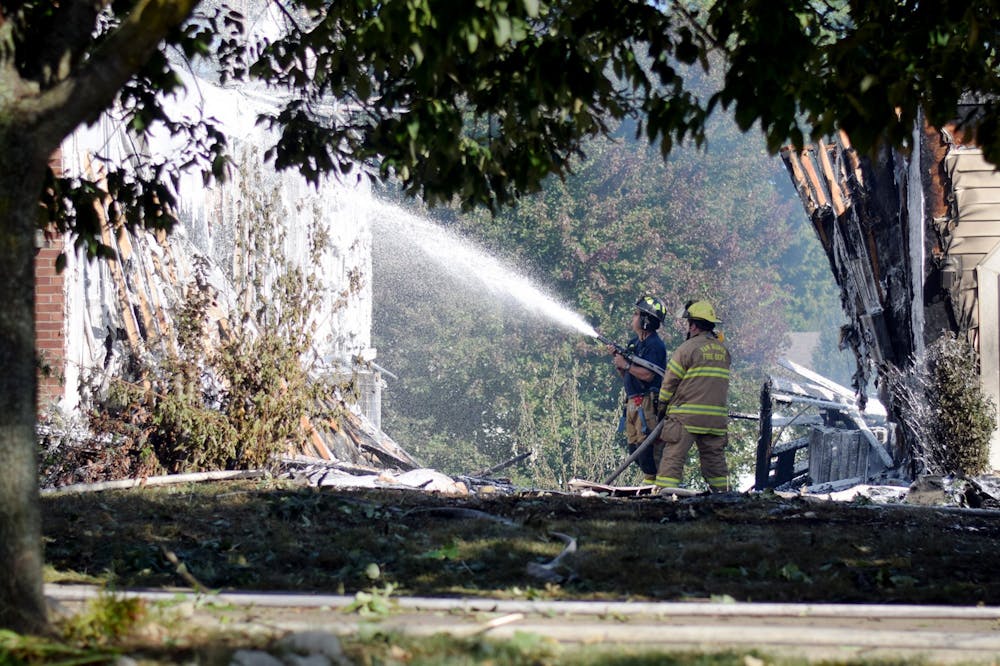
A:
x: 859, y: 209
x: 873, y: 442
x: 817, y: 382
x: 838, y: 198
x: 799, y: 419
x: 861, y: 202
x: 763, y: 465
x: 793, y: 445
x: 504, y: 465
x: 813, y: 197
x: 880, y: 201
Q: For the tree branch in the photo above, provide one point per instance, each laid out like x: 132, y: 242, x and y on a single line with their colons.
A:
x: 58, y: 111
x: 698, y: 27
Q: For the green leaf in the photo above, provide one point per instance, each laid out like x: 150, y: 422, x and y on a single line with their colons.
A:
x: 791, y: 572
x: 502, y: 32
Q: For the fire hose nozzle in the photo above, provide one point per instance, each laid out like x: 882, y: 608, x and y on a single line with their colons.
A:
x: 618, y: 348
x: 631, y: 356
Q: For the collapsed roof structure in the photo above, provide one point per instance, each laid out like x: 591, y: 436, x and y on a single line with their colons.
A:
x: 913, y: 241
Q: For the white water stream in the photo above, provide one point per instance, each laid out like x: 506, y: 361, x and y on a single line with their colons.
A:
x: 467, y: 265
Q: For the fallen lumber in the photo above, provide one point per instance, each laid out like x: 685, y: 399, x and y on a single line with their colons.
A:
x: 504, y: 465
x: 165, y: 480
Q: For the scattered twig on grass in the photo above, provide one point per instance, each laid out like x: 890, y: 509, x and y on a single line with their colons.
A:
x: 500, y: 621
x: 182, y: 570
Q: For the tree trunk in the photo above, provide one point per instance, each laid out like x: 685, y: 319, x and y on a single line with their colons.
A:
x: 22, y: 601
x: 33, y: 122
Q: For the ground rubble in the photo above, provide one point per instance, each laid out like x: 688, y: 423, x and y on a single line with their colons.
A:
x: 967, y: 492
x: 331, y: 474
x: 964, y: 492
x: 970, y: 492
x: 356, y: 455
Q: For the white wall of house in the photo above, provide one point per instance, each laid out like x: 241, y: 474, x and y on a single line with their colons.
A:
x: 972, y: 237
x: 236, y: 236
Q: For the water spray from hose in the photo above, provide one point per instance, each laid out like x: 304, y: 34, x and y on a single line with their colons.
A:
x: 465, y: 261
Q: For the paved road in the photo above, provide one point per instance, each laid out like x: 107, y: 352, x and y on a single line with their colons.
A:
x: 939, y: 634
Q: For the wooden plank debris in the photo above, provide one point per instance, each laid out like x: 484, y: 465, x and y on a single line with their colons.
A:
x: 585, y: 486
x: 314, y: 440
x: 165, y: 480
x: 840, y: 442
x: 504, y: 465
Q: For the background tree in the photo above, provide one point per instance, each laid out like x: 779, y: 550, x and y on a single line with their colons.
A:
x: 415, y: 73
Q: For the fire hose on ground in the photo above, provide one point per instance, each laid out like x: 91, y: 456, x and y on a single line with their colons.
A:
x: 650, y: 438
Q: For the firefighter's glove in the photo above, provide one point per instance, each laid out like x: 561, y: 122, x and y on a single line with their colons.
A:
x: 661, y: 411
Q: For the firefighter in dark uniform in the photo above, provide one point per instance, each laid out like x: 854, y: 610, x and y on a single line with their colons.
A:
x: 642, y: 384
x: 694, y: 401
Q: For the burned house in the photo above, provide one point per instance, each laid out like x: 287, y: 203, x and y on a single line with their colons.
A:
x: 234, y: 244
x: 913, y: 241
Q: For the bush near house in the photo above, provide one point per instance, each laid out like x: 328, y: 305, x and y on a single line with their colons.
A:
x: 948, y: 418
x: 231, y: 400
x: 966, y: 417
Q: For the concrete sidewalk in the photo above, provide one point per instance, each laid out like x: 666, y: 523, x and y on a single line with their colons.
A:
x: 936, y: 634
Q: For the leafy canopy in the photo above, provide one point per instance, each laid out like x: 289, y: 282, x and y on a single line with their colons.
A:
x: 484, y: 100
x: 481, y: 99
x: 802, y: 68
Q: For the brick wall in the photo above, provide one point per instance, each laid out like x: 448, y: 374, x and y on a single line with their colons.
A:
x: 50, y: 329
x: 50, y: 314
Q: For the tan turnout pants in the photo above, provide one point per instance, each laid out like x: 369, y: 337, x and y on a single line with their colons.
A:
x: 635, y: 416
x: 672, y: 449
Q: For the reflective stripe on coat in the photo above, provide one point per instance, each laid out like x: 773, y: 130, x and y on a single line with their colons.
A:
x: 696, y: 385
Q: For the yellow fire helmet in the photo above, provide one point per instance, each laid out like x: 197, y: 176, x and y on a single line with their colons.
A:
x: 699, y: 310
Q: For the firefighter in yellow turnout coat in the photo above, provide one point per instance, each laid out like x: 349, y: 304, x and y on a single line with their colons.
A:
x: 694, y: 401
